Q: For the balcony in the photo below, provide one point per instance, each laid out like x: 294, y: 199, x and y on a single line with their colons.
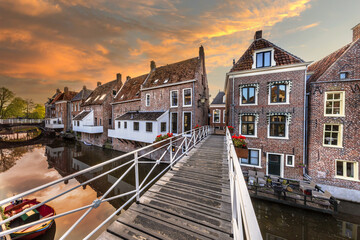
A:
x: 54, y: 123
x: 88, y: 129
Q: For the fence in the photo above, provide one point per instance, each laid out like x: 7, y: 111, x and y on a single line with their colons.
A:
x: 244, y: 222
x: 175, y: 148
x: 20, y: 121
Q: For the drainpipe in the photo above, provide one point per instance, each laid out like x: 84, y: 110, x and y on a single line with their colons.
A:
x: 305, y: 170
x: 233, y: 105
x: 194, y: 107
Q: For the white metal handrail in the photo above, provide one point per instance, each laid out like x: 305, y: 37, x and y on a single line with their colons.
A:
x: 22, y: 121
x: 185, y: 141
x: 243, y: 214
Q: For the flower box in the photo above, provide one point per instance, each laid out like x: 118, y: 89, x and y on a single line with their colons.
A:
x: 160, y: 144
x: 231, y: 129
x: 242, y: 152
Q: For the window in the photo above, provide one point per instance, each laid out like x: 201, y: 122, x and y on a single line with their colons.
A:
x: 95, y: 122
x: 333, y: 135
x: 248, y: 95
x: 216, y: 116
x: 114, y: 92
x: 119, y: 124
x: 290, y: 160
x: 187, y: 121
x: 136, y: 126
x: 163, y: 127
x: 263, y: 59
x: 100, y: 122
x: 248, y: 125
x: 174, y: 122
x: 278, y: 126
x: 278, y: 93
x: 147, y: 99
x: 223, y: 116
x: 187, y: 97
x: 125, y: 124
x: 253, y: 158
x: 334, y: 103
x: 109, y: 121
x: 344, y: 75
x: 149, y: 126
x: 174, y: 98
x: 78, y: 123
x: 347, y: 169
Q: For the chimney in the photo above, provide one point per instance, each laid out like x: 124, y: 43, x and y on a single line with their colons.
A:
x: 128, y: 78
x: 202, y: 56
x: 98, y: 83
x: 234, y: 61
x: 66, y: 89
x: 118, y: 77
x: 152, y: 65
x: 258, y: 35
x: 58, y: 90
x: 84, y: 87
x: 356, y: 32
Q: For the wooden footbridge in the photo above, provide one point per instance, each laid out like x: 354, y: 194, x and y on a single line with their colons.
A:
x: 200, y: 195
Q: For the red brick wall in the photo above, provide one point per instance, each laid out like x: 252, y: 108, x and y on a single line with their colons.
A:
x: 62, y: 111
x: 291, y: 146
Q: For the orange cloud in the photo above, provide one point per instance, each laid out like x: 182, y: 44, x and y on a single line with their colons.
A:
x: 31, y: 7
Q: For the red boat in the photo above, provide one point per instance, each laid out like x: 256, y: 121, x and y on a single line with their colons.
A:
x: 38, y: 213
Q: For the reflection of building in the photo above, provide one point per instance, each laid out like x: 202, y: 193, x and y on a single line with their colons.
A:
x: 217, y: 111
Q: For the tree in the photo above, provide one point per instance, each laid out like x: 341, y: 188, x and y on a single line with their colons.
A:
x: 5, y: 98
x: 29, y: 106
x: 38, y: 112
x: 16, y: 108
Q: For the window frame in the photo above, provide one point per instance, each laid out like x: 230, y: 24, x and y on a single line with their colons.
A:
x: 171, y: 99
x: 255, y: 127
x: 356, y: 170
x: 188, y: 105
x: 177, y: 122
x: 138, y: 124
x: 224, y: 115
x: 281, y: 163
x: 340, y: 136
x: 146, y: 127
x: 263, y: 58
x: 119, y: 125
x: 125, y: 125
x: 183, y: 121
x: 255, y: 96
x: 161, y: 125
x: 287, y: 95
x: 293, y: 160
x: 147, y: 97
x: 342, y: 104
x: 346, y: 75
x: 214, y: 115
x: 251, y: 165
x: 286, y: 128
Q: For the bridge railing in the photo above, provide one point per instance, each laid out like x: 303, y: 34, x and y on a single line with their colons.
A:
x: 174, y: 148
x: 20, y: 121
x: 244, y: 222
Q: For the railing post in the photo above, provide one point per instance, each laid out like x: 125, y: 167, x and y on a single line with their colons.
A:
x: 137, y: 176
x: 194, y: 132
x: 171, y: 153
x: 186, y: 145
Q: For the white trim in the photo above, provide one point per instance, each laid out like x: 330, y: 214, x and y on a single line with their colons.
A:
x: 214, y: 116
x: 269, y: 70
x: 293, y: 160
x: 191, y: 97
x: 167, y: 85
x: 286, y: 129
x: 356, y: 171
x: 132, y: 100
x: 250, y: 165
x: 279, y: 103
x: 146, y: 99
x: 177, y: 122
x: 183, y: 116
x: 340, y: 136
x: 281, y: 163
x: 217, y: 106
x: 272, y: 57
x: 249, y: 104
x: 177, y: 104
x: 224, y: 115
x: 255, y: 126
x: 63, y: 101
x: 342, y: 107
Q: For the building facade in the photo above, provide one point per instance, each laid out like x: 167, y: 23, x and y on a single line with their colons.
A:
x: 171, y: 98
x: 334, y: 120
x: 78, y: 100
x: 265, y: 101
x: 217, y: 111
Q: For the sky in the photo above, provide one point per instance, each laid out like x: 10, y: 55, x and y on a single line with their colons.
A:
x: 48, y: 44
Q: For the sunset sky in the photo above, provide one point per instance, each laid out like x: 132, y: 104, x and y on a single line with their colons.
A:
x: 46, y: 45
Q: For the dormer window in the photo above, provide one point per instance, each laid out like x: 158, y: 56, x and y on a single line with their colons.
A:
x: 114, y: 92
x: 344, y: 75
x: 166, y: 80
x: 263, y: 59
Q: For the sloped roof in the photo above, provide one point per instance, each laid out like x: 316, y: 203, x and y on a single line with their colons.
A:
x: 173, y: 73
x: 318, y: 68
x: 140, y: 116
x: 81, y: 115
x: 281, y: 56
x: 98, y: 96
x: 65, y: 96
x: 131, y: 89
x: 83, y: 94
x: 50, y: 100
x: 219, y: 99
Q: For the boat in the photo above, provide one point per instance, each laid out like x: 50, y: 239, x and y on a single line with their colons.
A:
x: 43, y: 211
x: 87, y: 144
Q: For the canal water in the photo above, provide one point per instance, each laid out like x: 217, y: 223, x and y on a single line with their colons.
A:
x: 27, y: 167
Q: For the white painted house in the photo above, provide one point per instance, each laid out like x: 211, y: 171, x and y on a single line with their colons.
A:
x: 85, y: 122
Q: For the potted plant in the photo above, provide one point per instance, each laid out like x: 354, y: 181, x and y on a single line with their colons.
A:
x: 231, y: 129
x: 240, y: 146
x: 160, y: 137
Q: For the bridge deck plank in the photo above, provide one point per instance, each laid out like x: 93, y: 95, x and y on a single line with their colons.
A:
x: 192, y: 201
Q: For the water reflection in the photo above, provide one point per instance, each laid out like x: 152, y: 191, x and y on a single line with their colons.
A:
x: 278, y: 222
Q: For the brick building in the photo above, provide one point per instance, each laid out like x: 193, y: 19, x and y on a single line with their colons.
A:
x: 171, y: 98
x: 217, y: 111
x: 60, y: 117
x: 265, y: 101
x: 78, y: 100
x: 334, y: 113
x: 95, y: 119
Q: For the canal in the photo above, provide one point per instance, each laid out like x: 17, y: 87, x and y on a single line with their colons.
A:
x: 23, y: 168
